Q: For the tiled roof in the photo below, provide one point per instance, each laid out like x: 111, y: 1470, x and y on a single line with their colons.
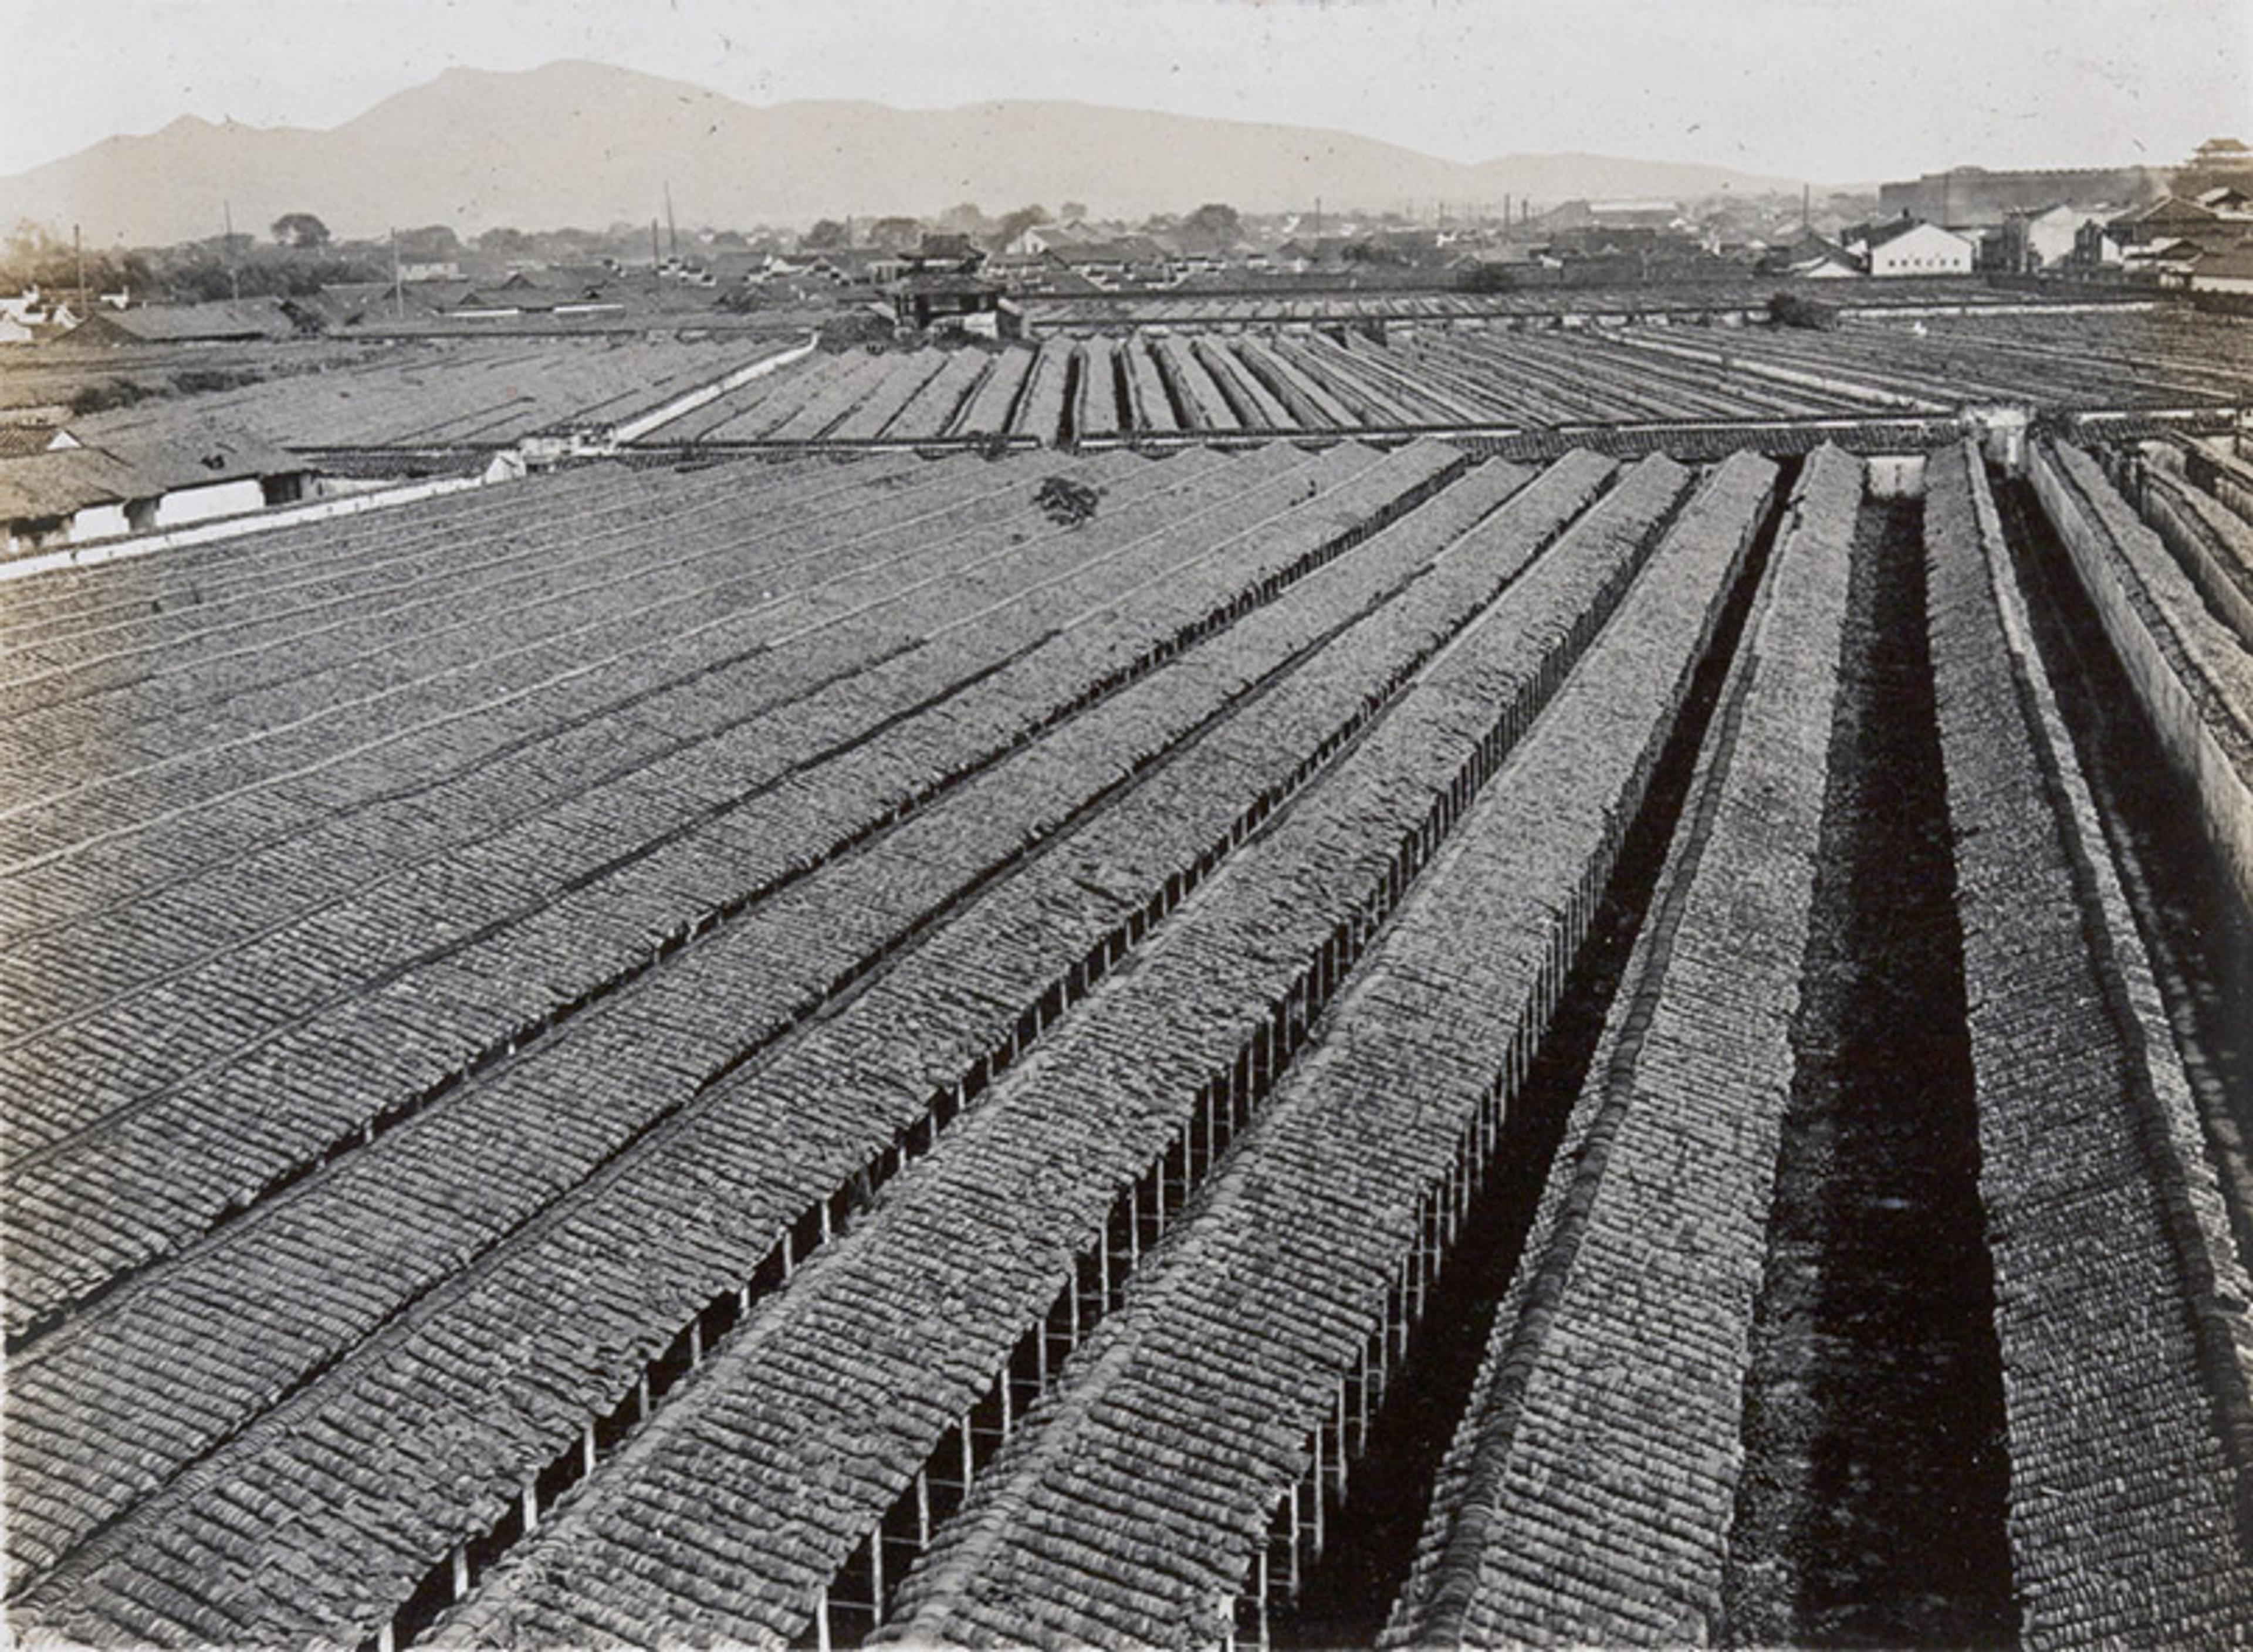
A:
x: 47, y: 485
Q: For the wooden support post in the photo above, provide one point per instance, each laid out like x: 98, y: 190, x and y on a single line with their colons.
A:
x: 1317, y: 1490
x: 696, y: 1342
x: 876, y: 1574
x: 922, y: 1508
x: 531, y: 1500
x: 1293, y: 1575
x: 969, y: 1459
x: 461, y: 1571
x: 641, y: 1396
x: 386, y: 1638
x: 1342, y: 1457
x: 587, y: 1450
x: 822, y: 1619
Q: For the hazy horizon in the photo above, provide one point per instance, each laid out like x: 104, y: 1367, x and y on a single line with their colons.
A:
x: 1836, y: 91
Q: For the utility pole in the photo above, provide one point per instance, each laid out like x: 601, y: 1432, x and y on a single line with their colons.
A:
x: 672, y: 231
x: 78, y: 245
x: 653, y: 259
x: 397, y: 290
x: 234, y: 272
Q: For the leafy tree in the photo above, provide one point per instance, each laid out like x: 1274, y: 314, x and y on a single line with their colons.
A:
x: 505, y: 242
x: 896, y: 234
x: 966, y: 218
x: 1215, y: 222
x: 1015, y: 224
x: 430, y: 243
x: 300, y: 229
x: 1071, y: 210
x: 31, y: 242
x: 827, y: 233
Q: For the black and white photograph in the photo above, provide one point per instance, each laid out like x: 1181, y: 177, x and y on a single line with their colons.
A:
x: 1191, y: 825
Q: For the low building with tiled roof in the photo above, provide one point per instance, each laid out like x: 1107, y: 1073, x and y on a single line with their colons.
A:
x: 221, y: 321
x: 144, y: 474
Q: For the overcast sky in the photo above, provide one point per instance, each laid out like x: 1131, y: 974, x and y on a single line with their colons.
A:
x: 1837, y: 90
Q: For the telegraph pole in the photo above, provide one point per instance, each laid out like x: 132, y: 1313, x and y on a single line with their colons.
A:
x: 398, y: 290
x: 233, y: 273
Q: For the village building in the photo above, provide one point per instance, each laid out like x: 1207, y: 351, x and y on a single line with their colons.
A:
x: 1130, y: 261
x: 2049, y: 239
x: 2228, y: 273
x: 856, y: 266
x: 952, y: 299
x: 2169, y: 218
x: 144, y: 479
x: 1813, y: 257
x: 1910, y: 247
x: 221, y: 321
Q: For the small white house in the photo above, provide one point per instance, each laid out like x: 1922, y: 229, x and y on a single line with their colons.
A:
x: 1910, y: 247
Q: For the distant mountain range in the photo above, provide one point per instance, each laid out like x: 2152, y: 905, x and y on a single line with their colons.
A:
x: 588, y: 144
